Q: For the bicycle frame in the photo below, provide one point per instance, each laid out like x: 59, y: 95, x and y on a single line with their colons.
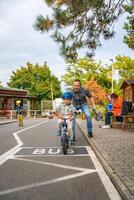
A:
x: 64, y: 136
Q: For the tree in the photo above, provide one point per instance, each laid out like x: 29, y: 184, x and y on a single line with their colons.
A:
x: 129, y: 27
x: 77, y: 24
x: 86, y: 69
x: 125, y: 67
x: 97, y: 91
x: 37, y: 80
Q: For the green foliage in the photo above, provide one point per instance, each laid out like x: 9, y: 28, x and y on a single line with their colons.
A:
x: 77, y: 24
x: 129, y: 26
x: 125, y: 67
x: 86, y: 69
x: 37, y: 80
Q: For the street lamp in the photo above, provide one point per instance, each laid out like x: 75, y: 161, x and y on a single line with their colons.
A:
x: 112, y: 87
x: 52, y: 95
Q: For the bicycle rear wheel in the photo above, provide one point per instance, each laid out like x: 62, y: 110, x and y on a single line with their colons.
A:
x: 20, y: 120
x: 64, y: 143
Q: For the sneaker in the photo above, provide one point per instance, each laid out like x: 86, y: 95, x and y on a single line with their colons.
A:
x: 72, y: 142
x: 106, y: 126
x: 90, y: 134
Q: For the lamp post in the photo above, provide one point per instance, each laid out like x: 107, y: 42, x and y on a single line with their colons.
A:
x: 52, y: 95
x: 112, y: 87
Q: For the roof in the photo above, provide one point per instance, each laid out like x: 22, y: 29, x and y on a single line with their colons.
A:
x: 18, y: 96
x: 15, y: 93
x: 12, y: 89
x: 127, y: 82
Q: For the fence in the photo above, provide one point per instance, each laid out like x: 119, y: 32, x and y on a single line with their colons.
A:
x: 11, y: 114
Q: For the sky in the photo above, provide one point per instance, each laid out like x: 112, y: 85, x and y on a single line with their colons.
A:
x: 21, y: 43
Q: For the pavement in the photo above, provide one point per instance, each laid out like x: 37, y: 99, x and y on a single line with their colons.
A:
x: 114, y: 148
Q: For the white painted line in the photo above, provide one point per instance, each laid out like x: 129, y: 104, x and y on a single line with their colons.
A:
x: 56, y: 165
x: 112, y: 192
x: 25, y: 129
x: 56, y: 147
x: 52, y: 151
x: 83, y: 171
x: 7, y: 155
x: 64, y: 178
x: 68, y: 155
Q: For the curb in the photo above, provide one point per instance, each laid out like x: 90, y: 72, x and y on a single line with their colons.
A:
x: 8, y: 122
x: 120, y: 186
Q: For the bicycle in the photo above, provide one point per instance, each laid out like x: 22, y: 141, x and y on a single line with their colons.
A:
x: 64, y: 136
x: 20, y: 118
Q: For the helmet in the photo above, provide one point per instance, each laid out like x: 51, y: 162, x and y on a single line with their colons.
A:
x: 67, y: 95
x: 18, y: 102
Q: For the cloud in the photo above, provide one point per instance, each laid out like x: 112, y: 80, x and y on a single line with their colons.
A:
x: 20, y: 43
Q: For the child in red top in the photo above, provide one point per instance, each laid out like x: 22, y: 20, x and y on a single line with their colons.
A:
x: 117, y: 104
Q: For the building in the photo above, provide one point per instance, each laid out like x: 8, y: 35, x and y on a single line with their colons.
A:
x: 128, y: 90
x: 8, y: 97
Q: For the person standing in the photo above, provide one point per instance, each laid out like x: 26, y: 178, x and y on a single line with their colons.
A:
x: 79, y: 99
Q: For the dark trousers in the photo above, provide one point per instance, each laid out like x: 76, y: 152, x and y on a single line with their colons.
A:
x: 108, y: 118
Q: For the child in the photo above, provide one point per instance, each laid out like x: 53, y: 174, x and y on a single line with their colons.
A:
x: 115, y: 110
x: 19, y: 107
x: 65, y: 110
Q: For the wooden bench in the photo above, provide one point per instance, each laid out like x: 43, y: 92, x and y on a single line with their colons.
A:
x: 128, y: 121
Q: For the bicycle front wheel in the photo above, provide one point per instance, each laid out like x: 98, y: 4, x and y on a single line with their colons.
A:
x: 64, y: 143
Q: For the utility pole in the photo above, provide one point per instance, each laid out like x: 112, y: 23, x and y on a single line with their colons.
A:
x: 112, y: 87
x: 52, y: 95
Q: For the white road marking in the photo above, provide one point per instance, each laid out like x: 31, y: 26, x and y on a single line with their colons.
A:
x: 45, y: 182
x: 41, y: 147
x: 41, y: 151
x: 83, y: 171
x: 4, y: 157
x: 62, y: 155
x: 112, y: 192
x: 55, y: 165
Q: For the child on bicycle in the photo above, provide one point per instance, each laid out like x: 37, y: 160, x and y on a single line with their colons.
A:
x: 19, y: 112
x: 65, y: 110
x: 19, y: 107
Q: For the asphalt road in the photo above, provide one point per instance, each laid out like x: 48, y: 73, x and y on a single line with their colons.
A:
x: 33, y: 167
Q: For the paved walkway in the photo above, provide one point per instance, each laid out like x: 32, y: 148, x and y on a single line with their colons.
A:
x: 115, y: 150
